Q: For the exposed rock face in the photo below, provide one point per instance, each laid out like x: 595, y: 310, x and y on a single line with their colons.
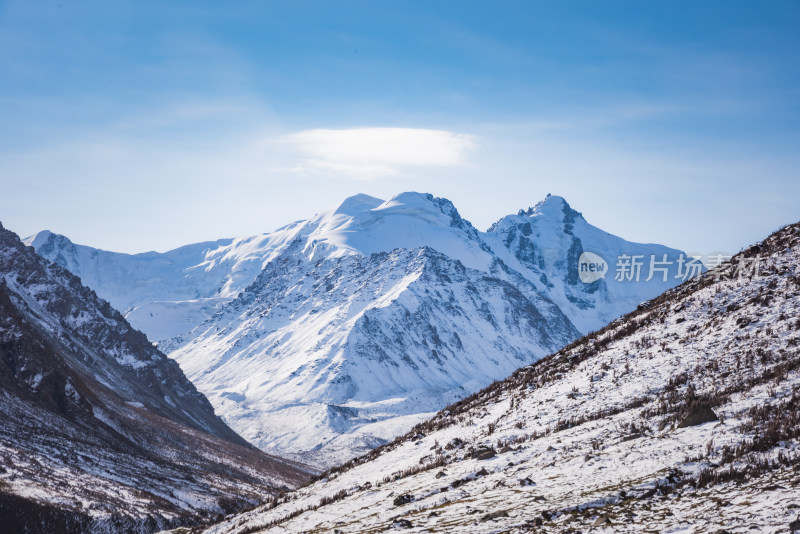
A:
x: 56, y: 329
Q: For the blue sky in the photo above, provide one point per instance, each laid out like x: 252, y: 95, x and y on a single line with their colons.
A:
x: 134, y: 126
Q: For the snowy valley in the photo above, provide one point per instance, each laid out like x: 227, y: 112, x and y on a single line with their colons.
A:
x: 332, y: 335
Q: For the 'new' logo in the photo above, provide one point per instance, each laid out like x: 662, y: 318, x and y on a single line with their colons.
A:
x: 591, y: 267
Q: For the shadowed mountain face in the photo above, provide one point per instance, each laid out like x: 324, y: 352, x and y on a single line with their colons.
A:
x: 682, y: 415
x: 91, y: 340
x: 99, y: 429
x: 334, y: 334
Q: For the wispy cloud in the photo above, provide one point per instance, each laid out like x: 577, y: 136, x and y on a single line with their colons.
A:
x: 374, y: 152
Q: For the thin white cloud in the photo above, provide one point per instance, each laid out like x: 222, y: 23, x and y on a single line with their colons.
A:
x: 374, y: 152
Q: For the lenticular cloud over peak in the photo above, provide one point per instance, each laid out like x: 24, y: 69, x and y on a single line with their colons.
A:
x: 380, y: 150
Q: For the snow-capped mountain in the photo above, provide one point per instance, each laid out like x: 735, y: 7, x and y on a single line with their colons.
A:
x: 333, y: 334
x: 168, y: 294
x: 162, y: 294
x: 545, y: 243
x: 681, y: 416
x: 331, y: 356
x: 100, y: 431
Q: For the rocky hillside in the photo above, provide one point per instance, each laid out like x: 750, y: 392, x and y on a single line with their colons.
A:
x: 100, y: 431
x: 680, y: 416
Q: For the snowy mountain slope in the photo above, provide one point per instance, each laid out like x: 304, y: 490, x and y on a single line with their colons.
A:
x: 351, y: 341
x: 377, y: 318
x: 100, y: 431
x: 368, y: 317
x: 162, y: 294
x: 679, y: 417
x: 167, y: 294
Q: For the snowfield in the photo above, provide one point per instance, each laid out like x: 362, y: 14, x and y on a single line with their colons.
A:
x: 679, y: 417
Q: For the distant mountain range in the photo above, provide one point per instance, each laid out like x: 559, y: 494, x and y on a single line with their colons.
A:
x: 334, y: 334
x: 100, y: 431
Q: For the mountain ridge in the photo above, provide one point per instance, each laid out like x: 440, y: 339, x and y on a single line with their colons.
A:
x: 245, y: 257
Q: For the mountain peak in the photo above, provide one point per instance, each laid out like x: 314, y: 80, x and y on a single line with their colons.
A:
x: 409, y: 220
x: 552, y: 207
x: 39, y: 238
x: 412, y: 197
x: 551, y: 203
x: 358, y: 203
x: 413, y: 201
x: 551, y: 200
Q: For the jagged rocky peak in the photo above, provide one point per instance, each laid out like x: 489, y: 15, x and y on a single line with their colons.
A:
x: 546, y: 241
x: 552, y: 208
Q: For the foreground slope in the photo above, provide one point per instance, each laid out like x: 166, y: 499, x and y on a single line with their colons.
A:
x: 681, y: 416
x: 99, y: 431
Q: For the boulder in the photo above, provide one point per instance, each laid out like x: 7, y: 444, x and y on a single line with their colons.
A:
x: 403, y: 499
x: 402, y: 523
x: 483, y: 453
x: 494, y: 515
x: 697, y: 416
